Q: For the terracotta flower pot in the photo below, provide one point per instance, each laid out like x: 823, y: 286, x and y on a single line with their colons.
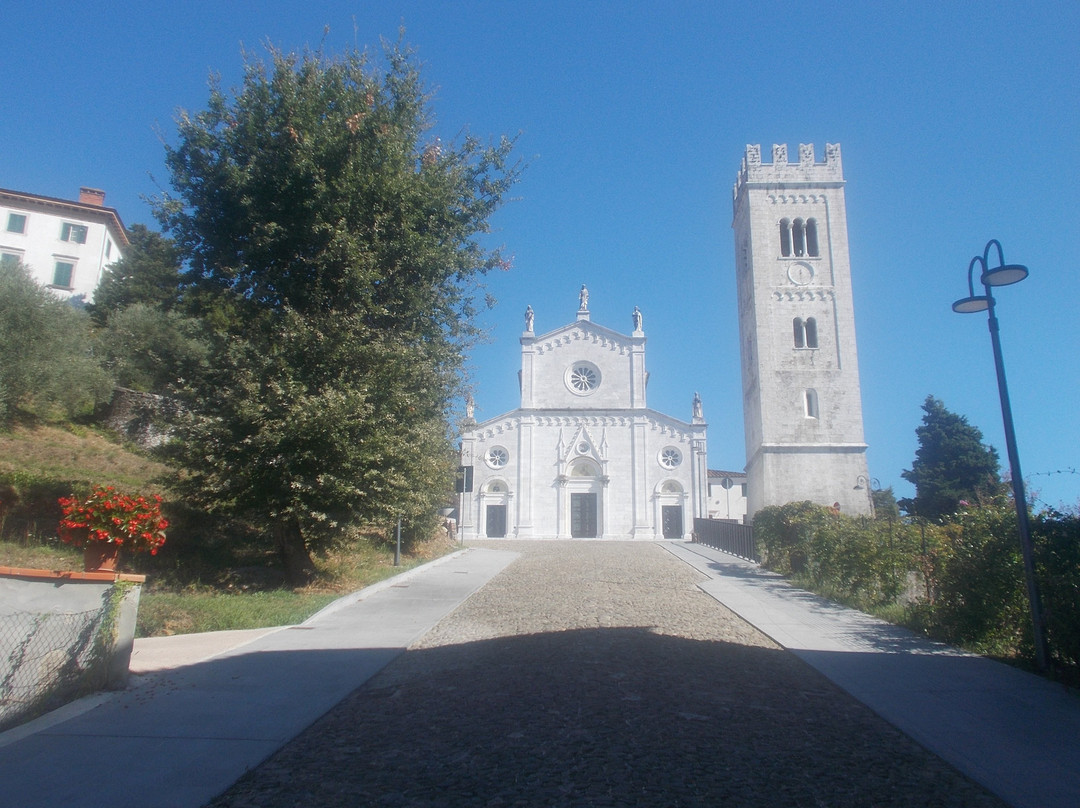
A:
x: 100, y: 556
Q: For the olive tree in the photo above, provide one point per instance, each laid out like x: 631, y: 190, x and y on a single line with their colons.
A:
x: 47, y: 363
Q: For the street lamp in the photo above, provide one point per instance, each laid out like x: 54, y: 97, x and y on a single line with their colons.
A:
x: 1004, y: 275
x: 862, y: 483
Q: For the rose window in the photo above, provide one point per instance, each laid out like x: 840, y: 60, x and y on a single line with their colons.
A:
x: 497, y: 457
x: 583, y: 378
x: 670, y: 457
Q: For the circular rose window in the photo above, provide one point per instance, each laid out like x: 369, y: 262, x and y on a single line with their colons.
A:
x: 670, y: 457
x: 583, y: 378
x: 497, y: 457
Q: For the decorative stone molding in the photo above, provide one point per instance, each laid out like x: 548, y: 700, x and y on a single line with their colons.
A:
x: 804, y: 295
x: 795, y: 199
x: 580, y: 335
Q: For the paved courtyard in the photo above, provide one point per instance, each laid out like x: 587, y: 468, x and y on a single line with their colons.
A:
x: 599, y: 674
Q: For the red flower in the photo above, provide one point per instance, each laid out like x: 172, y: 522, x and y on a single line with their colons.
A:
x: 115, y: 518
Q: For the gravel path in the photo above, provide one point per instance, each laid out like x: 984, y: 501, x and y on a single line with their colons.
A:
x: 597, y: 674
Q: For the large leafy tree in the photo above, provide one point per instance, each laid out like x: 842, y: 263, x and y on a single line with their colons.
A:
x: 333, y: 250
x: 951, y: 464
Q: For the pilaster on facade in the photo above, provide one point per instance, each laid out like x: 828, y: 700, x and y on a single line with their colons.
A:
x: 639, y: 377
x: 525, y: 375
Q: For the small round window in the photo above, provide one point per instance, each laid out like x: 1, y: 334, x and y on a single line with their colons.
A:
x: 497, y: 457
x: 670, y: 457
x: 583, y: 378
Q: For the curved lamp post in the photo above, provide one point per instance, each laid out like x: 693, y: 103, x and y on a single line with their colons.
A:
x: 861, y: 483
x: 1004, y: 275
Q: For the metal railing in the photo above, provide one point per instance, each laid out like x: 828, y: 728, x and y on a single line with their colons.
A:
x: 731, y: 537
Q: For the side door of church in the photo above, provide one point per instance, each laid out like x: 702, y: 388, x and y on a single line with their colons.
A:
x: 672, y: 518
x: 583, y: 516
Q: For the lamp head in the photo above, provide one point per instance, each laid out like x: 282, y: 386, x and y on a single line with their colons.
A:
x: 970, y: 305
x: 1004, y: 275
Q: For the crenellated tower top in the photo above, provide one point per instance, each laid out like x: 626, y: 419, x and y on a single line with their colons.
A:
x: 780, y: 171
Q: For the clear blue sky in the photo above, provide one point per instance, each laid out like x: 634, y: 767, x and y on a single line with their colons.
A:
x: 959, y: 122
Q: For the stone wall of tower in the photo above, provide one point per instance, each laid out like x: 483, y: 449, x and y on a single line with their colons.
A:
x: 801, y: 398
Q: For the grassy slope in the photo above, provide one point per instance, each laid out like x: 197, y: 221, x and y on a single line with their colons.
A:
x: 77, y: 453
x: 174, y: 602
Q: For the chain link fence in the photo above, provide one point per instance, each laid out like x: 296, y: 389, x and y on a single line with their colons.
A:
x: 49, y: 658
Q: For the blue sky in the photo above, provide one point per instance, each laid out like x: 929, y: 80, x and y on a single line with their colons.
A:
x: 959, y: 122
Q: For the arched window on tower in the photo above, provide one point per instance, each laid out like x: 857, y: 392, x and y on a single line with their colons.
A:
x: 798, y: 237
x: 810, y: 401
x: 811, y: 238
x: 785, y: 238
x: 805, y: 332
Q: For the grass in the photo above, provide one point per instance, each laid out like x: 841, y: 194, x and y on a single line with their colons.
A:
x: 210, y: 576
x: 40, y: 556
x: 167, y: 613
x: 166, y: 610
x: 72, y: 452
x: 249, y: 597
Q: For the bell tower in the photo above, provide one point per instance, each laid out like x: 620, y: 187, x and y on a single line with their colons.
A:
x: 802, y: 409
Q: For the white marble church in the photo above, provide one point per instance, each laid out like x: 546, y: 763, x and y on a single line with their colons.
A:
x: 584, y: 456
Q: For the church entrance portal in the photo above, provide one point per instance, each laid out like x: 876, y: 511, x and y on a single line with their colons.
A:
x: 496, y: 521
x: 672, y: 518
x: 583, y: 516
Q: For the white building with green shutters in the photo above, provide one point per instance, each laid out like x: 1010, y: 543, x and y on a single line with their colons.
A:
x: 66, y: 244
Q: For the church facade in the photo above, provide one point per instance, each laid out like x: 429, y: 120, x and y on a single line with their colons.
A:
x: 583, y: 456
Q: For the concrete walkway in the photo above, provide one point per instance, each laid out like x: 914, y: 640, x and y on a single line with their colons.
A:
x: 178, y: 738
x: 209, y: 707
x: 1015, y: 733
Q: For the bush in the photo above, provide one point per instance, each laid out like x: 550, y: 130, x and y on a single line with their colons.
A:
x: 784, y: 534
x: 854, y: 560
x: 1057, y: 564
x: 970, y: 566
x: 977, y: 577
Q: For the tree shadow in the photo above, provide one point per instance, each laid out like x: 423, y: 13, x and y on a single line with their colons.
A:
x: 606, y: 716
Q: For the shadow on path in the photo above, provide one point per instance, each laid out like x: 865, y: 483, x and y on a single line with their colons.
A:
x: 613, y: 716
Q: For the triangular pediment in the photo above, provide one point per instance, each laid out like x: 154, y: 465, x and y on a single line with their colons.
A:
x: 584, y: 328
x: 584, y: 331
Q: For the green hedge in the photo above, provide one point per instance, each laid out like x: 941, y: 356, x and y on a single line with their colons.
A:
x: 960, y: 581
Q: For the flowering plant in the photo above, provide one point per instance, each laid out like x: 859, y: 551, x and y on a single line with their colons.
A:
x: 134, y: 523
